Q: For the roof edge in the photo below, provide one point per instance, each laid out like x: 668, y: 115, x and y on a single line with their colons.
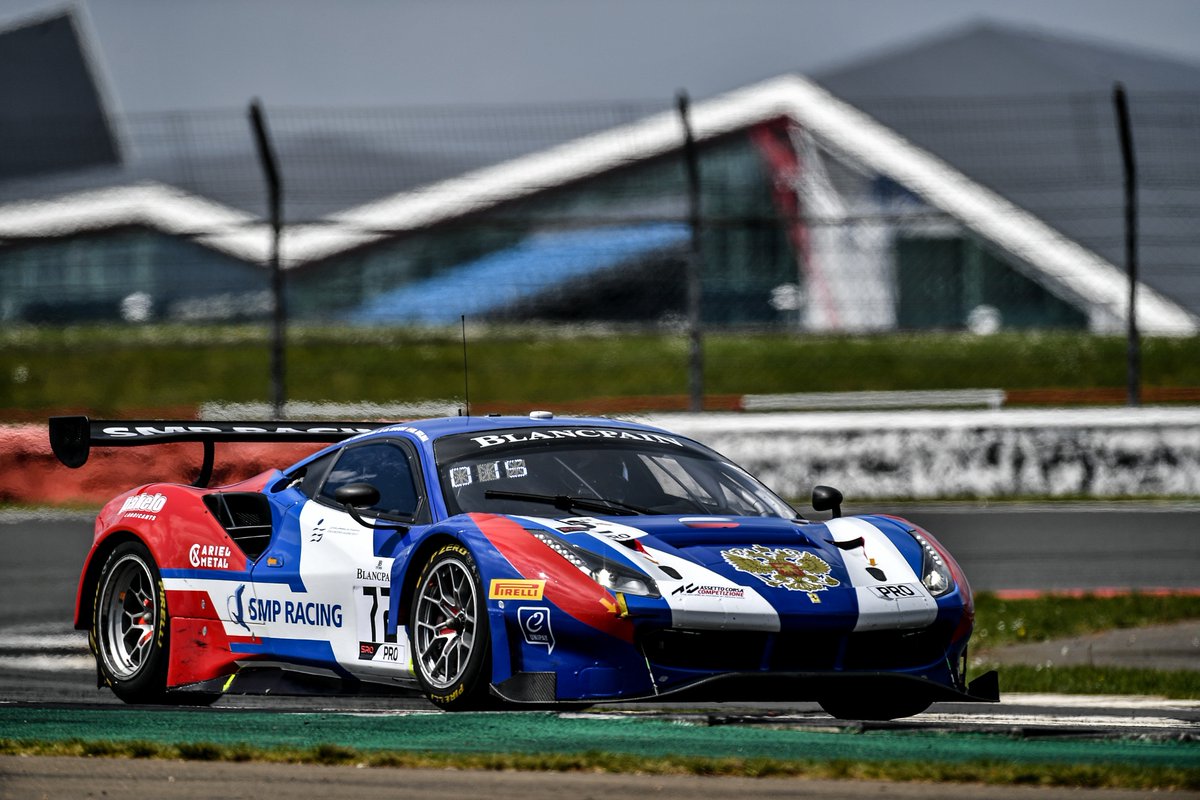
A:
x: 839, y: 125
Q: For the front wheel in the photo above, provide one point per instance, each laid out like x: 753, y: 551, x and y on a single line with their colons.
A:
x: 131, y: 631
x: 448, y: 627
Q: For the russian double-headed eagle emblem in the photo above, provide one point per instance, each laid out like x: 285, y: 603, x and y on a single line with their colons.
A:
x: 795, y: 570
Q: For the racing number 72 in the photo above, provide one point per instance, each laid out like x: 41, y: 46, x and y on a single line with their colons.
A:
x: 378, y: 614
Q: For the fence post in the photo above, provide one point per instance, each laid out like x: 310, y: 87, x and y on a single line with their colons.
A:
x: 266, y: 157
x: 1134, y: 349
x: 695, y: 335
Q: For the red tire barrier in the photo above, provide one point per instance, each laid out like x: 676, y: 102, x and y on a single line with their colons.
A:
x: 31, y: 475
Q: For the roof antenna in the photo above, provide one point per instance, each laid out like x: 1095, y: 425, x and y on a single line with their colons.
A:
x: 466, y: 385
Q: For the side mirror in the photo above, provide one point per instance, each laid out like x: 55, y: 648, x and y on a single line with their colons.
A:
x: 357, y: 495
x: 354, y: 496
x: 827, y: 498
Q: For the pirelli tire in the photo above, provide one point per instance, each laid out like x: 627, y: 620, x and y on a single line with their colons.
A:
x: 131, y: 631
x: 448, y: 631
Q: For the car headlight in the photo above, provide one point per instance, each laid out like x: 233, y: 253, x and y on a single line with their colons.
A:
x: 935, y: 573
x: 611, y: 575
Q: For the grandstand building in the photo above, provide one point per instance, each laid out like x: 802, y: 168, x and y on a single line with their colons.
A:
x: 973, y: 181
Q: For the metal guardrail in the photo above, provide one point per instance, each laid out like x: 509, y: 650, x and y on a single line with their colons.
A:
x: 804, y: 401
x: 800, y: 401
x: 301, y: 410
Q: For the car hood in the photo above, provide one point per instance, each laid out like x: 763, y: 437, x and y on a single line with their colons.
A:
x: 858, y: 572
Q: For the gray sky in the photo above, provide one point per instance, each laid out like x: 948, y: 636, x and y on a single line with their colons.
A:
x: 199, y: 54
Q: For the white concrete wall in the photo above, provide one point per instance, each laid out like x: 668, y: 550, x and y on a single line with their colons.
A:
x: 1103, y: 453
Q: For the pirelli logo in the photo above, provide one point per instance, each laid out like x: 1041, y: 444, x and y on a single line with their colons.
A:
x: 515, y: 589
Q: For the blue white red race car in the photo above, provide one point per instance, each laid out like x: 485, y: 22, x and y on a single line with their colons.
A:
x: 501, y: 561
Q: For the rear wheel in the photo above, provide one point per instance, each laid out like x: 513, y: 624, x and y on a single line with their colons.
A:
x: 873, y: 706
x: 448, y: 627
x: 131, y: 631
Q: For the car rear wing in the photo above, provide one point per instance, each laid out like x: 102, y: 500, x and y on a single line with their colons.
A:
x: 72, y: 438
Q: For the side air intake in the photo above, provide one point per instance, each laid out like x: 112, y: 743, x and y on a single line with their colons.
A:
x: 245, y: 516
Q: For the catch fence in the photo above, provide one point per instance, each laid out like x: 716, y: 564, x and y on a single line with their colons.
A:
x: 922, y: 216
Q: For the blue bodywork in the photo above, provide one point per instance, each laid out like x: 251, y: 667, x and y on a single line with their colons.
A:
x: 540, y: 646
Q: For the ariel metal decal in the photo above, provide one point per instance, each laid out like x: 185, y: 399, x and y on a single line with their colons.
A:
x: 794, y: 570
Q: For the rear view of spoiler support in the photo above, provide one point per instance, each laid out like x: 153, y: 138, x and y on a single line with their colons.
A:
x: 72, y: 438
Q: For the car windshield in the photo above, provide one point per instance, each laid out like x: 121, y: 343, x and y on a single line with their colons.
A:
x: 576, y: 470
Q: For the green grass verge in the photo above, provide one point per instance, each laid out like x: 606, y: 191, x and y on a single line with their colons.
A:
x: 1003, y: 622
x: 1113, y: 776
x: 1173, y: 684
x: 109, y: 369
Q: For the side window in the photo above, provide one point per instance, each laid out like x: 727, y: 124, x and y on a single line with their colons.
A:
x: 384, y: 465
x: 313, y: 474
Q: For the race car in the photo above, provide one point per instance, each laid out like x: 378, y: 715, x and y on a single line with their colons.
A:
x: 509, y: 562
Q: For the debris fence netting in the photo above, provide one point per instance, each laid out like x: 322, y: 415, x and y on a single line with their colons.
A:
x: 892, y: 217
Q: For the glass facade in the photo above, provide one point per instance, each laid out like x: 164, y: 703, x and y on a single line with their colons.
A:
x: 792, y: 238
x: 130, y: 274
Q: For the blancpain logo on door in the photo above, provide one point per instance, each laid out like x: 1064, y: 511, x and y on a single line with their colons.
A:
x: 372, y: 575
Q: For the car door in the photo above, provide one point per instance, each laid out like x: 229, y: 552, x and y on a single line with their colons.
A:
x: 335, y: 607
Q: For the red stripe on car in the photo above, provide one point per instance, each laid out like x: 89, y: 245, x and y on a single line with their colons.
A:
x: 566, y: 587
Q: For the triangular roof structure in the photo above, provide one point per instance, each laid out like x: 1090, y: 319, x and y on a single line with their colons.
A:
x: 54, y: 104
x: 846, y: 131
x: 1030, y: 115
x: 991, y: 60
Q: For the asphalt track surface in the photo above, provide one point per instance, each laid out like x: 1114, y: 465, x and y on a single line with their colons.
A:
x: 43, y: 662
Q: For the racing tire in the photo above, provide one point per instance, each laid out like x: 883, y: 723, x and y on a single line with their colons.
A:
x: 131, y: 631
x: 875, y: 707
x: 448, y: 632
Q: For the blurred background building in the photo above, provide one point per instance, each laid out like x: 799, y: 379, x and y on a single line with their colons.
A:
x: 970, y: 181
